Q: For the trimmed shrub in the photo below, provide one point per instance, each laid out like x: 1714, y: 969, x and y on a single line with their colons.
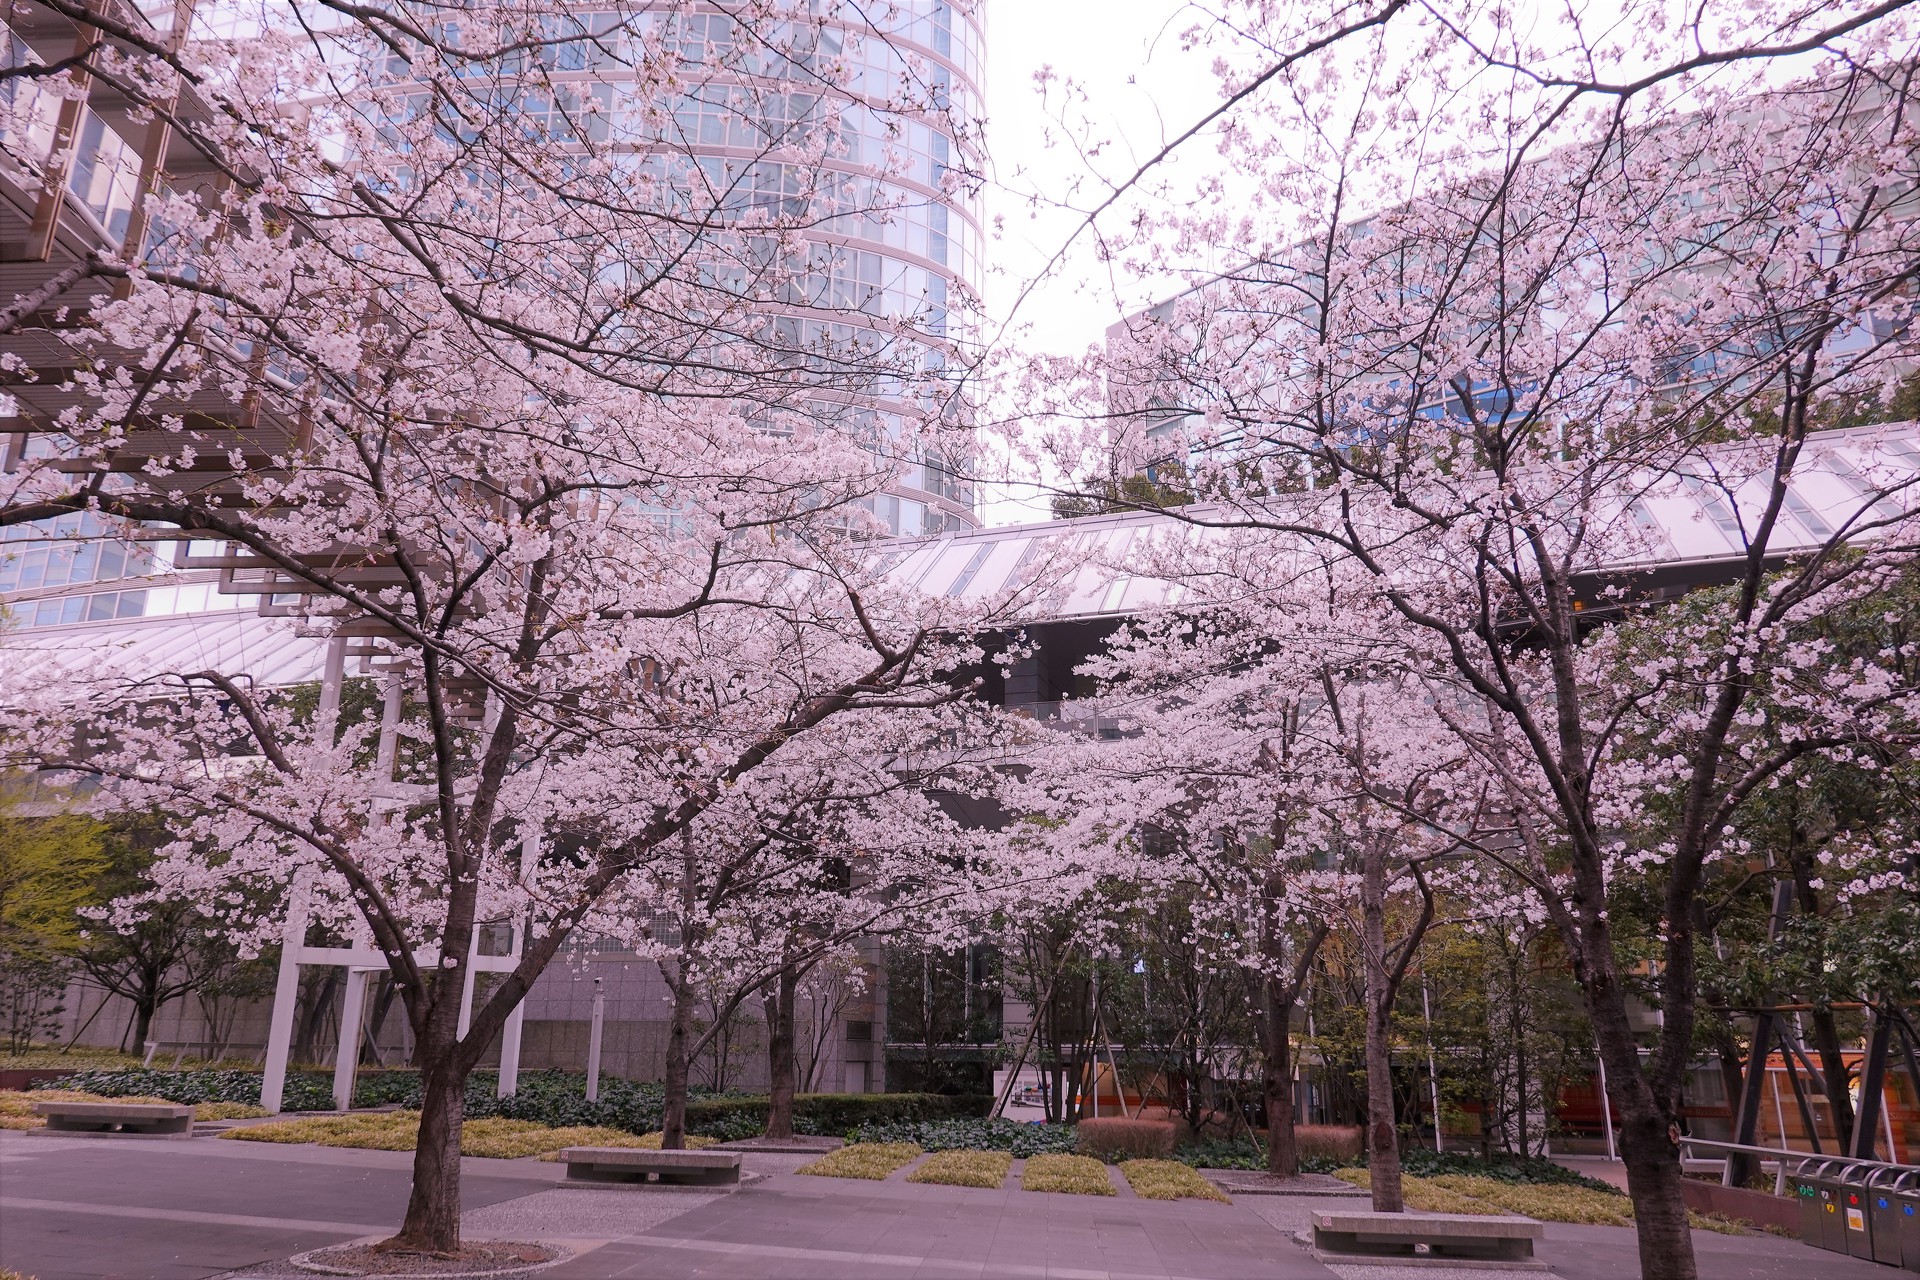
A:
x: 1069, y: 1175
x: 1169, y: 1180
x: 1115, y: 1138
x: 872, y: 1161
x: 1019, y: 1140
x: 985, y: 1169
x: 1341, y: 1142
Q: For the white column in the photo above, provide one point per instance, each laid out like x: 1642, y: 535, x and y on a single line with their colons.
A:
x: 510, y: 1052
x: 333, y: 674
x: 510, y: 1033
x: 347, y: 1058
x: 286, y: 994
x: 593, y: 1043
x: 389, y: 749
x: 466, y: 984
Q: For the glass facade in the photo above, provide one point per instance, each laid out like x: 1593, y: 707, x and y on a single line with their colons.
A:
x: 903, y: 246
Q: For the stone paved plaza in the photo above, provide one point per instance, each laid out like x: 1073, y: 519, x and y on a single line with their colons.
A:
x: 81, y: 1208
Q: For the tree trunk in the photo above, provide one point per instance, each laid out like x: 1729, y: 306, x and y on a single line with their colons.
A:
x: 780, y: 1054
x: 1283, y: 1145
x: 1833, y: 1072
x: 1648, y: 1127
x: 433, y: 1209
x: 1383, y: 1146
x: 143, y: 1012
x: 673, y: 1116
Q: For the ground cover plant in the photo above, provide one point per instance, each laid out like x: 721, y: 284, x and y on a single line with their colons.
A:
x: 1238, y: 1153
x: 375, y: 1131
x: 1423, y: 1195
x: 870, y: 1160
x: 1168, y: 1180
x: 489, y: 1137
x: 1069, y: 1175
x: 1021, y: 1140
x: 560, y: 1139
x: 962, y: 1168
x: 1521, y: 1170
x: 305, y: 1091
x: 1587, y: 1203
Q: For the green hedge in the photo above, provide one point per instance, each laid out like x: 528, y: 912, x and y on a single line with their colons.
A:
x: 974, y: 1134
x: 555, y: 1098
x: 1421, y: 1162
x: 830, y: 1114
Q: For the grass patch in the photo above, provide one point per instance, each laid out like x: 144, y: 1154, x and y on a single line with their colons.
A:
x: 1168, y: 1180
x: 489, y: 1137
x: 870, y: 1160
x: 592, y: 1137
x: 1543, y: 1203
x: 1426, y: 1196
x: 965, y: 1169
x: 1069, y: 1175
x: 229, y: 1111
x: 383, y: 1131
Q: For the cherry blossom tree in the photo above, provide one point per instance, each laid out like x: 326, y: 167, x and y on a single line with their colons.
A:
x: 1474, y: 341
x: 564, y: 429
x: 1281, y: 773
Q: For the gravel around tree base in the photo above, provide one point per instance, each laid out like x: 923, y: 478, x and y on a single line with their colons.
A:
x: 488, y: 1257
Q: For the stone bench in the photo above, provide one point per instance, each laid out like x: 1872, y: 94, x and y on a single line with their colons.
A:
x: 1342, y: 1237
x: 149, y: 1119
x: 637, y: 1164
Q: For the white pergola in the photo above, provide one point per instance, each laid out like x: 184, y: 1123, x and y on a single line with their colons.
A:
x: 360, y: 958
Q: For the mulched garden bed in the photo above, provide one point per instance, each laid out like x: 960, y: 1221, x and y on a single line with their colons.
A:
x: 481, y: 1258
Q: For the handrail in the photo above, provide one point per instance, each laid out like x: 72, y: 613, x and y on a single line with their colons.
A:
x: 1783, y: 1154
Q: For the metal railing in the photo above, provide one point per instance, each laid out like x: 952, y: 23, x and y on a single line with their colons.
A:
x: 1782, y: 1157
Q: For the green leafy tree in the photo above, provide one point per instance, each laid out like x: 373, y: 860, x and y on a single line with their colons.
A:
x: 49, y: 865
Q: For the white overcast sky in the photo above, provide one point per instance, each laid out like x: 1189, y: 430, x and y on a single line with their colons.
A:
x: 1140, y: 89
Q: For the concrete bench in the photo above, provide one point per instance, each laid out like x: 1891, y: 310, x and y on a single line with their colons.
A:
x: 1342, y: 1237
x: 636, y: 1164
x: 151, y: 1119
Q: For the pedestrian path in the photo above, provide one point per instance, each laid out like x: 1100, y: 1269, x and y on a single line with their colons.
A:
x: 83, y: 1209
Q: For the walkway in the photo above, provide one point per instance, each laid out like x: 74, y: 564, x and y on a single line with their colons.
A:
x: 88, y: 1208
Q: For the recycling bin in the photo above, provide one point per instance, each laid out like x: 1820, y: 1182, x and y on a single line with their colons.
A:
x: 1906, y: 1212
x: 1815, y: 1184
x: 1883, y: 1211
x: 1856, y: 1212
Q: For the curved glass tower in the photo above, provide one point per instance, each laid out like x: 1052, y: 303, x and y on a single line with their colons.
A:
x: 889, y: 207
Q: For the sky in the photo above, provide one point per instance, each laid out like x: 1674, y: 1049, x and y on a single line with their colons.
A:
x: 1140, y: 89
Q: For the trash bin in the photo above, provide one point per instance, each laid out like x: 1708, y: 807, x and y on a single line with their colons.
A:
x: 1856, y: 1212
x: 1906, y: 1209
x: 1816, y: 1186
x: 1883, y: 1211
